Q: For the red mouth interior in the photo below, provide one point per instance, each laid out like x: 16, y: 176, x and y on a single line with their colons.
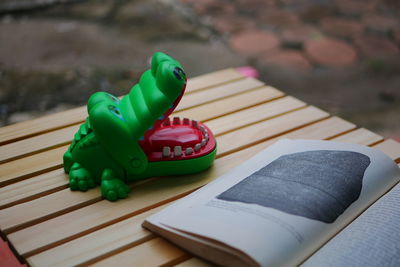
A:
x: 178, y: 139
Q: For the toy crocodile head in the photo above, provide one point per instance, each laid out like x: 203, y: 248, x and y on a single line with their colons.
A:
x: 137, y: 132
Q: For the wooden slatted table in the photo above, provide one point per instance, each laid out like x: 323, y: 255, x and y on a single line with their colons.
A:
x: 48, y: 225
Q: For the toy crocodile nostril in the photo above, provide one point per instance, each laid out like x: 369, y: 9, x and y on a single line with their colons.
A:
x: 133, y: 138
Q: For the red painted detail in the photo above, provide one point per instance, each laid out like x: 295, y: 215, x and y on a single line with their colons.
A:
x: 175, y: 135
x: 7, y: 257
x: 183, y: 135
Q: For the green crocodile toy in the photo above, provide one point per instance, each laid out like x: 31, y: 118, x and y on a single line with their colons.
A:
x: 133, y: 138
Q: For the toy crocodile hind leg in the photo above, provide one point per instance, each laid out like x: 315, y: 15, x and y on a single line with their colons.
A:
x: 113, y: 188
x: 133, y: 138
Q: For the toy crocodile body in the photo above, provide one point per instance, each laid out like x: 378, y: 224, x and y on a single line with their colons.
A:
x: 133, y: 138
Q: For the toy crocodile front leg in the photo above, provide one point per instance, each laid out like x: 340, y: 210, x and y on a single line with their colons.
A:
x: 113, y: 188
x: 80, y: 178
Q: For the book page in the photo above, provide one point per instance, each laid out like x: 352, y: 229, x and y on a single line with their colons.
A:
x: 373, y: 239
x: 285, y: 202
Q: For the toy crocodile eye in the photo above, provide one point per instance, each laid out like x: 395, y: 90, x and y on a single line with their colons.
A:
x: 113, y: 98
x: 114, y: 110
x: 179, y: 73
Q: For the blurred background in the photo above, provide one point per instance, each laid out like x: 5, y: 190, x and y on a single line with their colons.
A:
x: 340, y: 55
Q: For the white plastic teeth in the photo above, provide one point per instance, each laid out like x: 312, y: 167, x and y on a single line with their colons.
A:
x: 177, y: 151
x: 189, y: 151
x: 176, y: 121
x: 166, y: 152
x: 197, y: 147
x: 203, y: 142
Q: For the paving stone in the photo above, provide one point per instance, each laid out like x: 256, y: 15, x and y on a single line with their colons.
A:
x: 300, y: 6
x: 253, y: 42
x: 256, y: 3
x: 212, y: 7
x: 85, y: 10
x: 330, y: 52
x: 391, y: 7
x: 253, y: 7
x: 230, y: 24
x: 295, y: 36
x: 396, y: 36
x: 380, y: 24
x: 288, y: 59
x: 341, y: 27
x: 277, y: 17
x: 375, y: 47
x: 315, y: 13
x: 355, y: 8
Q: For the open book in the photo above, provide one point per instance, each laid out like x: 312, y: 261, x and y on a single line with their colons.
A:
x: 314, y: 203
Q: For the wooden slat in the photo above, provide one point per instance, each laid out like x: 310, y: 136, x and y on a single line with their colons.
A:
x: 37, y: 143
x: 100, y: 214
x: 42, y: 124
x: 27, y: 245
x: 156, y: 252
x: 391, y: 148
x: 123, y: 256
x: 74, y: 116
x: 32, y: 165
x: 38, y: 185
x: 269, y: 128
x: 35, y: 211
x: 13, y: 218
x: 255, y: 114
x: 57, y: 203
x: 8, y: 174
x: 64, y: 135
x: 61, y: 254
x: 324, y: 129
x: 362, y: 136
x: 230, y: 104
x: 126, y: 233
x: 213, y: 79
x: 206, y: 96
x: 26, y: 191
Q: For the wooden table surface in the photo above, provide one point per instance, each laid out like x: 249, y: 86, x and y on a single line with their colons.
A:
x: 49, y: 225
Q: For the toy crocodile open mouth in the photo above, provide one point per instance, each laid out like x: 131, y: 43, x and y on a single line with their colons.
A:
x: 133, y: 138
x: 177, y: 140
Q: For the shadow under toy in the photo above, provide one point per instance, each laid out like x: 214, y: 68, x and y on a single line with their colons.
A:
x: 133, y: 138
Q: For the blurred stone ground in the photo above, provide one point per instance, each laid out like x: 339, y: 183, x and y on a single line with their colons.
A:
x: 341, y: 55
x: 53, y: 59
